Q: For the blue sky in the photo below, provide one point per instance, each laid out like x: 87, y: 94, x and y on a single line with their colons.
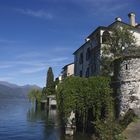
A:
x: 36, y: 34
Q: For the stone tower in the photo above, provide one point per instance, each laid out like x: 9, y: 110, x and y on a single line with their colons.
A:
x: 127, y: 82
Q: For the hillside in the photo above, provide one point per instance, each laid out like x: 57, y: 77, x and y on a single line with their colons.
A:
x: 9, y: 90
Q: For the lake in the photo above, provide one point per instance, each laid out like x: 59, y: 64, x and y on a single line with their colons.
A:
x: 20, y: 121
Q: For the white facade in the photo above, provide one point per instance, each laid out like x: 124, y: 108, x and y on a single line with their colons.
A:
x: 68, y: 70
x: 94, y: 43
x: 91, y: 52
x: 60, y: 78
x: 137, y: 36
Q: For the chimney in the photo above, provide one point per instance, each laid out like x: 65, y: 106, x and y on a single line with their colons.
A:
x: 132, y: 19
x: 87, y: 39
x: 118, y: 19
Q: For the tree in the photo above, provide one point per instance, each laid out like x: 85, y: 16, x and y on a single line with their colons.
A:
x: 50, y: 85
x: 44, y: 92
x: 117, y: 42
x: 35, y: 95
x: 84, y: 95
x: 91, y: 99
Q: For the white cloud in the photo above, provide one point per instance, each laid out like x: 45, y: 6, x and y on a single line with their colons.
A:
x: 30, y: 55
x: 32, y: 66
x: 4, y: 66
x: 34, y: 62
x: 32, y: 70
x: 58, y: 59
x: 38, y: 13
x: 5, y: 78
x: 102, y: 7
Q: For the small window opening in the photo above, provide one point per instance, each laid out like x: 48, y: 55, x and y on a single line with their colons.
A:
x: 126, y: 67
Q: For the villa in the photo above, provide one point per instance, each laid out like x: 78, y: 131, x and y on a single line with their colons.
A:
x: 87, y: 57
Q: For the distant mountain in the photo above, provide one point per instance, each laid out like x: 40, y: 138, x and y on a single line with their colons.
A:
x: 8, y: 84
x: 9, y: 90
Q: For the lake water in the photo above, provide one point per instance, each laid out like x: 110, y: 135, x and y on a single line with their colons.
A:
x: 19, y: 121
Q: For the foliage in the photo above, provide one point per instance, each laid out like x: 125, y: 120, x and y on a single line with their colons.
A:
x: 56, y: 81
x: 35, y: 95
x: 91, y: 100
x: 128, y: 118
x: 108, y: 129
x: 50, y: 85
x: 81, y: 95
x: 67, y: 94
x: 119, y: 40
x: 44, y: 93
x: 132, y: 51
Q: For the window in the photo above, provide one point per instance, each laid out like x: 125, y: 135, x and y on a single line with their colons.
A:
x: 81, y: 73
x: 87, y: 72
x: 105, y: 37
x: 88, y: 54
x: 94, y: 62
x: 93, y: 69
x: 81, y: 58
x: 126, y: 67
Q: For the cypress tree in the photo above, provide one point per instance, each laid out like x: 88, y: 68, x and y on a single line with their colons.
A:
x: 50, y: 82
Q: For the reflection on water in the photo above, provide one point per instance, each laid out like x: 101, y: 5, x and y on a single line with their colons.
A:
x: 19, y: 121
x: 48, y: 119
x: 52, y: 126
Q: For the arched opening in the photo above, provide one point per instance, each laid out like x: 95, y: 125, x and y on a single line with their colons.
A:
x: 105, y: 37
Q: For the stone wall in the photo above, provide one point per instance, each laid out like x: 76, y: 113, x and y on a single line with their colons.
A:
x: 127, y: 74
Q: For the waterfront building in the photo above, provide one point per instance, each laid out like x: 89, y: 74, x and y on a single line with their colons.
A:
x: 87, y: 58
x: 126, y: 84
x: 68, y: 70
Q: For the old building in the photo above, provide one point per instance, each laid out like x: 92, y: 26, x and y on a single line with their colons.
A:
x: 126, y: 84
x: 68, y: 70
x: 87, y: 57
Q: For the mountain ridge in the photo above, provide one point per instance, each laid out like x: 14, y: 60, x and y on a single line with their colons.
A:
x: 10, y: 90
